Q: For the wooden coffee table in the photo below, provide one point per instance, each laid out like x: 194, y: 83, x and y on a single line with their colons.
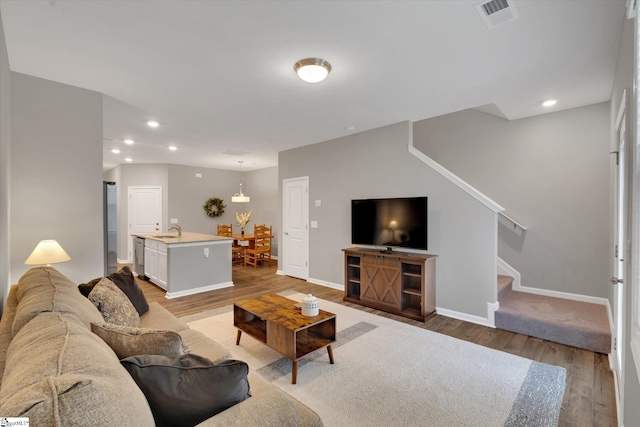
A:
x: 273, y: 320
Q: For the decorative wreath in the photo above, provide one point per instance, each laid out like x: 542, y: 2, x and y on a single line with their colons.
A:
x: 214, y: 207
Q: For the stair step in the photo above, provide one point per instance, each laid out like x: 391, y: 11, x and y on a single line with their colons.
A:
x: 504, y: 285
x: 578, y: 324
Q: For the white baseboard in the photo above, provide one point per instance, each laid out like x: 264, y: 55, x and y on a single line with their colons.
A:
x: 280, y: 273
x: 325, y: 283
x: 464, y: 316
x: 123, y: 261
x: 170, y: 295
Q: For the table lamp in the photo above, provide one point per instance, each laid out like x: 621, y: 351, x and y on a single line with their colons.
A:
x: 47, y: 252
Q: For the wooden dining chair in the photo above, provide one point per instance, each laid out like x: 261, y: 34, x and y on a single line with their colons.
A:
x: 237, y: 251
x: 261, y: 251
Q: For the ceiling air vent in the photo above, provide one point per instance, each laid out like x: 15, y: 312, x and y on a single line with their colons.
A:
x: 497, y: 12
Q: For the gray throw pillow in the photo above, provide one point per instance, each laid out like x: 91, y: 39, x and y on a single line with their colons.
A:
x: 186, y: 390
x: 128, y: 341
x: 113, y: 304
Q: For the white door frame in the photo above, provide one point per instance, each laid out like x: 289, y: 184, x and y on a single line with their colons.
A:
x: 130, y: 189
x: 620, y: 252
x: 301, y: 270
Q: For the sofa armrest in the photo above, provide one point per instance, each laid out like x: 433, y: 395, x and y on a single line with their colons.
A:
x: 8, y: 314
x: 273, y: 408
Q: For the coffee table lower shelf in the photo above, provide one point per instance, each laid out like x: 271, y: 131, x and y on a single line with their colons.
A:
x: 272, y: 320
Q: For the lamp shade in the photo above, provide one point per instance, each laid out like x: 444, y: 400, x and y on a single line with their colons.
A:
x: 47, y: 252
x: 240, y: 197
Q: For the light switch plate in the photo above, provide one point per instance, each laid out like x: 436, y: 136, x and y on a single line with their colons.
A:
x: 198, y: 175
x: 314, y: 224
x: 174, y: 220
x: 318, y: 202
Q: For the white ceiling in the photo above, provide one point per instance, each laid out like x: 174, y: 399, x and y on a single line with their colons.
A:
x: 218, y: 75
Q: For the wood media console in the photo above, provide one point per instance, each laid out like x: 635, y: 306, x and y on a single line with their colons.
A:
x: 401, y: 283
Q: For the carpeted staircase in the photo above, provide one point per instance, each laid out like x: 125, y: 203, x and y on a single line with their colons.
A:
x: 579, y: 324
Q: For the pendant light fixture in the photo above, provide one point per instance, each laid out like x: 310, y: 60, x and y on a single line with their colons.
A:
x: 240, y: 197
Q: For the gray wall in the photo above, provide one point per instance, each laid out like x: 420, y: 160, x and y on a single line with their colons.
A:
x: 461, y: 231
x: 624, y: 80
x: 551, y: 173
x: 5, y: 175
x: 187, y: 195
x: 183, y: 196
x: 56, y: 174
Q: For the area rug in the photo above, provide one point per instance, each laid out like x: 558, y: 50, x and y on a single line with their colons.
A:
x: 391, y: 373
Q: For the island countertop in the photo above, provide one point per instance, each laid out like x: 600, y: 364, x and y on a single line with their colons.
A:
x: 187, y: 237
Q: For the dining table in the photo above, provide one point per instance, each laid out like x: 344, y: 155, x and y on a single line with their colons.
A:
x: 251, y: 238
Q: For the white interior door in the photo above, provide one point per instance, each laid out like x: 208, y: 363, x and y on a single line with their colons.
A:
x: 620, y: 252
x: 295, y: 227
x: 144, y: 213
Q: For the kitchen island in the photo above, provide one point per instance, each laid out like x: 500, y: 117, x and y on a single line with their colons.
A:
x: 187, y: 264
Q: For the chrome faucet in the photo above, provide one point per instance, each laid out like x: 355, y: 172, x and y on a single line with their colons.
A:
x: 176, y: 227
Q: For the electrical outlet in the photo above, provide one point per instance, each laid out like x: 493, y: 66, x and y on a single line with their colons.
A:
x: 206, y: 252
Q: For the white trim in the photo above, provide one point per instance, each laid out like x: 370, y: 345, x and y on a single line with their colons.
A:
x: 621, y: 111
x: 455, y: 180
x: 616, y: 388
x: 325, y: 283
x: 464, y: 316
x: 280, y: 273
x: 492, y: 307
x: 505, y: 269
x: 123, y: 261
x: 635, y: 351
x: 170, y: 295
x: 564, y: 295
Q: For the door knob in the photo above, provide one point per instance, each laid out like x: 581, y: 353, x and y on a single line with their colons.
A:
x: 286, y: 233
x: 615, y: 280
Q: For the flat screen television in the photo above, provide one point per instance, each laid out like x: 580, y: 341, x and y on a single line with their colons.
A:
x: 395, y: 222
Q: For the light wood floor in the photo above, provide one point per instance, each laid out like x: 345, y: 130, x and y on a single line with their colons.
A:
x: 589, y: 398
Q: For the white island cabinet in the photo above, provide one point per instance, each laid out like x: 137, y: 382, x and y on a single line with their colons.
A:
x: 187, y: 264
x: 155, y: 262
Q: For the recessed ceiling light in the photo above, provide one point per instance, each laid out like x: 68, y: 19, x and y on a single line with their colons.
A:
x: 549, y: 103
x: 115, y: 151
x: 312, y: 70
x: 173, y: 148
x: 129, y: 141
x: 128, y: 159
x: 153, y: 124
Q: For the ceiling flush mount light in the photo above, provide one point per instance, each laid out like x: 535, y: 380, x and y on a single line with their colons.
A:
x: 128, y: 159
x: 153, y: 124
x: 240, y: 197
x: 129, y: 141
x: 312, y: 70
x: 47, y: 252
x: 173, y: 148
x: 115, y: 151
x: 549, y: 103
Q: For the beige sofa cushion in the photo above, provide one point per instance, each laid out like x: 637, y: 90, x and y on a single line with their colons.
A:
x: 200, y: 344
x: 58, y: 373
x: 44, y: 289
x: 159, y: 318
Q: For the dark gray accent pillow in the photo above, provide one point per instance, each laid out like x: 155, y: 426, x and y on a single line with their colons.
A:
x: 126, y: 282
x: 186, y: 390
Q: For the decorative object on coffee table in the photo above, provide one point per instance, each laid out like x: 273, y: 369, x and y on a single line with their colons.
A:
x: 310, y: 306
